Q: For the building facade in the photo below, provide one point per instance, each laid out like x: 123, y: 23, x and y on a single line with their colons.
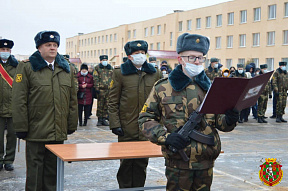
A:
x: 240, y: 31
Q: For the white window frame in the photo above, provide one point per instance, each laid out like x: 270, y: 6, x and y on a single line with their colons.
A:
x: 285, y: 37
x: 219, y: 20
x: 158, y: 46
x: 229, y: 62
x: 256, y: 39
x: 256, y: 61
x: 272, y: 11
x: 286, y: 9
x: 146, y: 31
x: 242, y: 40
x: 230, y: 41
x: 151, y: 46
x: 270, y: 63
x: 152, y: 31
x: 115, y: 37
x: 171, y: 39
x: 243, y: 16
x: 158, y: 29
x: 180, y: 26
x: 208, y: 22
x: 241, y: 61
x: 271, y: 38
x: 231, y: 18
x: 189, y: 25
x: 198, y: 23
x: 257, y: 14
x: 134, y: 33
x: 129, y: 34
x: 218, y: 42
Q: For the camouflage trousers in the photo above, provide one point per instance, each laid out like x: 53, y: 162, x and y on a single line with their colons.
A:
x: 188, y: 180
x: 262, y: 105
x: 281, y: 103
x: 102, y: 104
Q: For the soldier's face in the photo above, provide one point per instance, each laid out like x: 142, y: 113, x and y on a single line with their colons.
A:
x: 48, y: 50
x: 183, y: 59
x: 136, y: 52
x: 5, y: 50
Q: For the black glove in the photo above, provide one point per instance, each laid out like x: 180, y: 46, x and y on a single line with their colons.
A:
x: 177, y: 141
x: 21, y: 135
x: 232, y: 116
x: 270, y: 96
x: 69, y: 132
x: 118, y: 131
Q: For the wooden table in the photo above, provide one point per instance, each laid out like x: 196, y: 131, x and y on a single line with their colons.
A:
x: 100, y: 151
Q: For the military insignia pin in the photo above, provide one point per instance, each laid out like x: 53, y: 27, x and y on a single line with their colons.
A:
x: 51, y: 36
x: 138, y: 44
x: 5, y: 43
x: 18, y: 78
x: 111, y: 84
x: 271, y: 173
x: 197, y: 40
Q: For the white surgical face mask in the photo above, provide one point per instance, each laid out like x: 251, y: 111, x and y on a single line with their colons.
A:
x: 164, y: 72
x: 153, y: 64
x: 257, y: 73
x: 138, y: 59
x: 240, y: 71
x: 193, y: 69
x: 104, y: 63
x: 84, y: 73
x: 5, y: 55
x: 225, y: 74
x: 216, y: 66
x: 283, y: 67
x: 265, y: 71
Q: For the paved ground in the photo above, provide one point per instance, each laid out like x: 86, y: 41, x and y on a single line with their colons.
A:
x: 236, y: 169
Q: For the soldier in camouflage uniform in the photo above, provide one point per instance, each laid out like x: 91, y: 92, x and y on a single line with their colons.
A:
x: 263, y: 99
x: 213, y: 71
x: 168, y: 107
x: 102, y: 78
x: 280, y: 87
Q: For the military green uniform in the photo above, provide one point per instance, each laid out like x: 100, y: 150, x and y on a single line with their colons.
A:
x: 212, y: 73
x: 102, y: 76
x: 128, y: 92
x: 44, y: 105
x: 166, y: 110
x: 280, y: 87
x: 6, y: 114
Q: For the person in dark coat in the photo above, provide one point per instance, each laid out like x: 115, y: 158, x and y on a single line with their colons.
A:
x: 85, y: 82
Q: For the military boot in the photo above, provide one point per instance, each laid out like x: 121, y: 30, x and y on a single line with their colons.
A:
x: 105, y: 122
x: 85, y: 122
x: 100, y: 121
x: 282, y: 120
x: 260, y: 120
x: 263, y: 120
x: 273, y: 116
x: 278, y: 119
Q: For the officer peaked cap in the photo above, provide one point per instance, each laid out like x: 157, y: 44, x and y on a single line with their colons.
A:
x: 186, y: 42
x: 282, y: 63
x: 134, y: 46
x: 5, y: 43
x: 102, y: 57
x: 47, y: 36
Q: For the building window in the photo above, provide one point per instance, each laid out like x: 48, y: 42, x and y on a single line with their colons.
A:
x: 198, y: 23
x: 285, y: 35
x: 243, y: 18
x: 271, y: 38
x: 229, y: 41
x: 151, y: 46
x: 88, y: 41
x: 272, y: 12
x: 129, y: 34
x: 158, y: 29
x: 94, y: 53
x: 270, y: 63
x: 218, y: 42
x: 241, y: 61
x: 257, y: 14
x: 231, y: 18
x: 106, y: 38
x: 103, y: 39
x: 98, y: 39
x: 146, y: 32
x: 110, y: 51
x: 242, y: 39
x: 102, y: 51
x: 286, y: 10
x: 134, y: 33
x: 180, y: 24
x: 208, y: 22
x: 228, y: 63
x: 106, y: 51
x: 256, y: 39
x: 79, y: 42
x: 98, y: 52
x: 95, y: 40
x: 85, y: 42
x: 219, y: 21
x: 189, y: 25
x: 115, y: 37
x: 256, y: 61
x: 152, y: 31
x: 285, y: 60
x: 171, y: 38
x: 115, y: 51
x: 158, y: 45
x: 164, y: 28
x: 111, y: 37
x: 85, y: 54
x: 82, y: 42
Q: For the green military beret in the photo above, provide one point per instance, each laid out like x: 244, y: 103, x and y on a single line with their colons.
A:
x: 282, y: 63
x: 102, y: 57
x: 262, y: 66
x: 214, y: 60
x: 47, y: 36
x: 134, y: 46
x: 5, y: 43
x: 199, y: 43
x: 152, y: 59
x: 240, y: 65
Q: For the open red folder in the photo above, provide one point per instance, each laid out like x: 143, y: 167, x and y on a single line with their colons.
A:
x: 229, y: 93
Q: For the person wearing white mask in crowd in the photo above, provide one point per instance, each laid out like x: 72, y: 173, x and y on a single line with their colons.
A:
x: 152, y: 60
x: 130, y: 86
x: 226, y: 73
x: 213, y: 70
x: 102, y: 76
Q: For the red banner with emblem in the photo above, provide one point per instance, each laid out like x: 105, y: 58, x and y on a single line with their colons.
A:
x: 6, y: 76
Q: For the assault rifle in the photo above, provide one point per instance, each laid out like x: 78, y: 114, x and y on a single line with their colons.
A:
x: 189, y: 132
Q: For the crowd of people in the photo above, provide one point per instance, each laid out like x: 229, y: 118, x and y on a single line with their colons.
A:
x: 46, y: 96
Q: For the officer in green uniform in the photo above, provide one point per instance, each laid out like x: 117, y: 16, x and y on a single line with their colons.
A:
x: 102, y: 76
x: 280, y: 87
x: 130, y: 86
x: 213, y: 70
x: 167, y: 109
x: 8, y: 66
x: 263, y: 99
x: 44, y: 108
x: 152, y: 60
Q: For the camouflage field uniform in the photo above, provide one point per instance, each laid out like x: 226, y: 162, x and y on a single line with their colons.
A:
x: 102, y: 76
x: 280, y: 87
x: 263, y: 100
x: 213, y: 73
x: 164, y: 112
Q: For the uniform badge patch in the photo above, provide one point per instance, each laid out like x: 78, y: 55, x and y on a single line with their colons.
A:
x: 5, y: 43
x: 271, y: 173
x: 18, y: 78
x: 111, y: 84
x: 138, y: 44
x: 144, y: 109
x: 197, y: 40
x: 51, y: 36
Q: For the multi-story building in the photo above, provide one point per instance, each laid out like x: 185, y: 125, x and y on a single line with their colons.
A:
x: 240, y: 31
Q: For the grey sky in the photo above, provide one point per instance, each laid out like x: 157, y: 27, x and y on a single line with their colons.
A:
x: 21, y: 20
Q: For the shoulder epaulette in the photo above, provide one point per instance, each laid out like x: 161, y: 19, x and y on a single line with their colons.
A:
x: 27, y: 60
x: 160, y: 81
x: 116, y: 67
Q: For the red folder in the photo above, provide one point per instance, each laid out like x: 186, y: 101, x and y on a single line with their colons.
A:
x: 229, y: 93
